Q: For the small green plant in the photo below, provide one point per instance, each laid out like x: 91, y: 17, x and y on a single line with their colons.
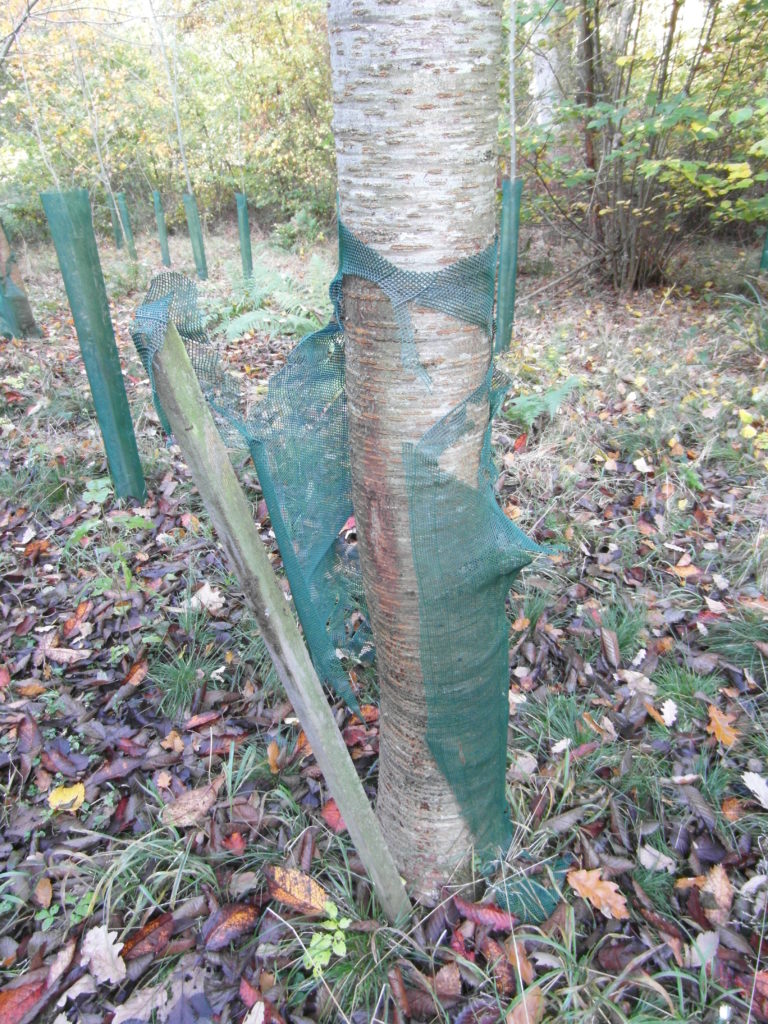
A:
x: 332, y: 941
x: 98, y: 491
x: 46, y: 916
x: 526, y: 409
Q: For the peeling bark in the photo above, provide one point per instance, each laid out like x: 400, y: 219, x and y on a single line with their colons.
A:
x: 415, y: 85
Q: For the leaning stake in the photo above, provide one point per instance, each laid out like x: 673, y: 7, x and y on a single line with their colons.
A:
x: 69, y: 216
x: 206, y: 456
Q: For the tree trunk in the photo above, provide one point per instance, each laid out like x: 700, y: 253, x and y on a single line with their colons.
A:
x: 415, y: 88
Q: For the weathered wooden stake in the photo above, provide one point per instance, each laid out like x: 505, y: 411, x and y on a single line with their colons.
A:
x: 196, y: 434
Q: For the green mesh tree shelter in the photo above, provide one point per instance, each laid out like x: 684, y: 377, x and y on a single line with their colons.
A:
x: 467, y: 553
x: 162, y: 234
x: 511, y: 194
x: 117, y: 230
x: 196, y: 235
x: 130, y: 242
x: 764, y: 257
x: 71, y: 224
x: 16, y: 316
x: 244, y: 229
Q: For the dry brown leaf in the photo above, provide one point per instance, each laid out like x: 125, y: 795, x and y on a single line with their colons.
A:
x: 173, y: 742
x: 43, y: 892
x: 296, y: 890
x: 720, y: 726
x: 486, y: 914
x: 192, y: 806
x: 152, y: 938
x: 604, y: 896
x: 609, y: 644
x: 530, y: 1009
x: 228, y: 923
x: 716, y: 896
x: 273, y: 756
x: 503, y: 972
x: 519, y: 959
x: 100, y: 953
x: 448, y: 984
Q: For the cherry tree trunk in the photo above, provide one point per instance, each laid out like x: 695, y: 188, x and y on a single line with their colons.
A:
x: 415, y: 90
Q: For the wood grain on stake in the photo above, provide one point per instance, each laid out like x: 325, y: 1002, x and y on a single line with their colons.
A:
x: 230, y: 512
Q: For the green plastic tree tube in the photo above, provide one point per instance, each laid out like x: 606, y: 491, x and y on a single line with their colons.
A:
x: 511, y: 193
x: 122, y: 206
x: 117, y: 231
x: 162, y: 234
x: 245, y: 234
x: 764, y: 257
x: 196, y: 235
x: 71, y: 223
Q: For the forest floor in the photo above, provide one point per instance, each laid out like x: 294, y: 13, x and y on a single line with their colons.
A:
x: 161, y: 810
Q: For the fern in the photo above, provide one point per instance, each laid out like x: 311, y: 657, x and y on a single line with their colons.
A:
x: 526, y: 409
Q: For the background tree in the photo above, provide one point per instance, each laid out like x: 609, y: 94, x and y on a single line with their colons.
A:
x: 415, y: 89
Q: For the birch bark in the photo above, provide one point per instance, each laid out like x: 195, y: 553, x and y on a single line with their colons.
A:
x: 415, y: 88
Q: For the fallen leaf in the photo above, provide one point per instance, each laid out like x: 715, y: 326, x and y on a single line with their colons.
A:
x: 137, y: 673
x: 173, y: 742
x: 758, y: 786
x: 486, y: 914
x: 192, y: 806
x: 147, y: 1003
x: 67, y: 798
x: 642, y: 466
x: 530, y: 1009
x: 332, y: 817
x: 609, y: 644
x: 448, y: 984
x: 603, y: 895
x: 702, y: 950
x: 152, y: 938
x: 17, y: 999
x: 100, y: 953
x: 273, y: 756
x: 296, y: 890
x: 518, y: 957
x: 636, y: 682
x: 720, y: 726
x: 655, y: 860
x: 207, y: 597
x: 229, y: 923
x: 234, y: 843
x: 43, y: 892
x: 503, y: 972
x: 669, y: 713
x: 716, y: 896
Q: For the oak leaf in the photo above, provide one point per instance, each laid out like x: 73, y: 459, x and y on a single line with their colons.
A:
x: 603, y: 895
x: 296, y: 890
x: 100, y: 953
x: 721, y: 727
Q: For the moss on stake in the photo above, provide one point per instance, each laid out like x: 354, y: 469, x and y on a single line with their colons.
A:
x: 197, y: 436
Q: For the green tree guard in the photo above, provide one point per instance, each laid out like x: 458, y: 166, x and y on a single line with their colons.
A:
x: 71, y: 223
x: 126, y: 221
x: 764, y: 257
x: 511, y: 193
x: 196, y: 235
x: 117, y: 230
x: 245, y: 234
x: 162, y: 234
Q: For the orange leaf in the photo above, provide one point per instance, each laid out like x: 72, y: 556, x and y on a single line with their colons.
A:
x: 604, y: 896
x: 273, y: 756
x: 654, y: 713
x: 332, y: 817
x: 720, y: 726
x: 503, y: 971
x: 228, y: 923
x: 152, y: 938
x: 486, y: 914
x: 297, y: 890
x: 530, y: 1009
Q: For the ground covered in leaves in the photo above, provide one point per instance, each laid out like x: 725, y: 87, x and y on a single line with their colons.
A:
x: 168, y: 850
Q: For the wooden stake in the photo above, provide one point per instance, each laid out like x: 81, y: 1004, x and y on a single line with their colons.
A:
x: 196, y: 434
